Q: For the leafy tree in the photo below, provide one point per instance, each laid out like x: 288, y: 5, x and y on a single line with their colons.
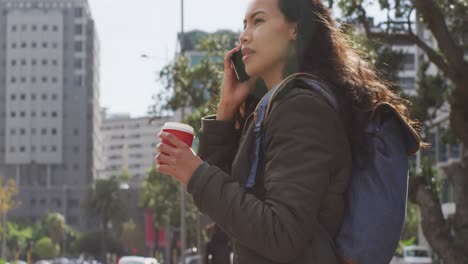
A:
x: 44, y: 248
x: 161, y: 194
x: 447, y: 21
x: 55, y: 225
x: 104, y: 203
x: 8, y: 190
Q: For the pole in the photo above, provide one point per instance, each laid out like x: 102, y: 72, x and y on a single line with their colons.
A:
x: 183, y: 234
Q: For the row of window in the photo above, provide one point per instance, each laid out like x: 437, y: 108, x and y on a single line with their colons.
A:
x: 119, y: 157
x: 33, y: 114
x: 77, y: 10
x: 33, y: 45
x: 33, y: 97
x: 131, y: 146
x: 22, y: 131
x: 77, y: 81
x: 34, y: 62
x: 34, y: 28
x: 43, y: 148
x: 71, y: 204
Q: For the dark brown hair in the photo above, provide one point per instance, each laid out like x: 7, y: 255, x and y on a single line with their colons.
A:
x: 323, y: 50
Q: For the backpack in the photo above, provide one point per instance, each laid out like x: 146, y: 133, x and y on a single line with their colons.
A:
x: 375, y: 201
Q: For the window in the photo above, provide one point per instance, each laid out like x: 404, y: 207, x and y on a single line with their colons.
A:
x: 23, y: 62
x: 23, y: 79
x: 78, y: 46
x: 44, y: 79
x: 22, y: 131
x: 33, y: 45
x: 22, y: 114
x: 22, y: 148
x: 12, y: 131
x: 44, y: 96
x: 33, y: 148
x: 13, y: 97
x: 33, y: 79
x: 43, y: 148
x: 43, y: 131
x: 13, y: 62
x: 55, y: 28
x: 13, y: 45
x: 78, y: 63
x: 75, y: 132
x: 23, y: 27
x: 13, y: 114
x: 13, y: 28
x: 44, y: 45
x: 78, y: 11
x: 54, y: 79
x: 408, y: 83
x: 78, y: 29
x: 45, y: 28
x: 54, y: 97
x: 54, y: 114
x: 54, y: 131
x: 13, y: 80
x: 55, y: 45
x: 34, y: 28
x: 53, y: 149
x: 33, y: 97
x: 23, y: 97
x: 44, y: 114
x: 54, y: 62
x: 408, y: 62
x: 76, y: 149
x: 44, y: 62
x: 79, y: 81
x: 33, y: 114
x: 33, y: 62
x: 23, y: 45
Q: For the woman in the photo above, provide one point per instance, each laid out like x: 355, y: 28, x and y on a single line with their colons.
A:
x: 306, y: 165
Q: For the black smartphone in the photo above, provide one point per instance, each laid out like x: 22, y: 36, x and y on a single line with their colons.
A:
x: 239, y: 67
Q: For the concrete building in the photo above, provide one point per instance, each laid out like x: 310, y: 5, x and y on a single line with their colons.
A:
x: 129, y: 144
x: 49, y: 98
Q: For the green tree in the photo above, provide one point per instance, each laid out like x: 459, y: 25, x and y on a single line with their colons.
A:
x: 44, y: 248
x: 55, y: 225
x: 447, y: 21
x: 161, y: 194
x: 105, y: 203
x: 17, y: 237
x: 8, y: 190
x: 132, y: 236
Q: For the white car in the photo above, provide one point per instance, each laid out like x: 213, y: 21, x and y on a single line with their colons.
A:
x: 413, y: 255
x: 137, y: 260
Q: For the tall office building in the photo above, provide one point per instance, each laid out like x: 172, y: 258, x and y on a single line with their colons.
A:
x: 49, y: 105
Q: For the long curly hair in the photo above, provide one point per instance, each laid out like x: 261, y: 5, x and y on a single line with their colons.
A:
x: 324, y: 51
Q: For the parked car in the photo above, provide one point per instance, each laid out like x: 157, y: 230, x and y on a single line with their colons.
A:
x: 137, y: 260
x: 413, y: 255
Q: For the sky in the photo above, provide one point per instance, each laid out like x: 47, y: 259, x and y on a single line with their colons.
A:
x: 128, y: 29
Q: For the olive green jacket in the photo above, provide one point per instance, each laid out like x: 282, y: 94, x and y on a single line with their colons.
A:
x: 296, y: 207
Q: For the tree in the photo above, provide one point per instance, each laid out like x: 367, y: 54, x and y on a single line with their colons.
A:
x: 132, y: 236
x: 55, y: 225
x: 44, y: 248
x: 8, y: 190
x: 104, y: 203
x: 90, y: 243
x: 448, y: 23
x: 160, y: 193
x: 18, y: 236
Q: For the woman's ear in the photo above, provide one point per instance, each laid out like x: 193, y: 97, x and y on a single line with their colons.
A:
x: 294, y: 32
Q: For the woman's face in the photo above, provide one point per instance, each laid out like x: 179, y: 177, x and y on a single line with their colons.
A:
x: 266, y: 39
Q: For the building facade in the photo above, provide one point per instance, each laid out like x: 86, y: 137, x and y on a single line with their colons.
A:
x: 49, y: 92
x: 129, y: 146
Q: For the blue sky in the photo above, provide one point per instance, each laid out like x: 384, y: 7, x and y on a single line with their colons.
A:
x: 128, y: 29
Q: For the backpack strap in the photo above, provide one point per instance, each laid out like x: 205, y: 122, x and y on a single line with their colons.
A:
x: 263, y: 107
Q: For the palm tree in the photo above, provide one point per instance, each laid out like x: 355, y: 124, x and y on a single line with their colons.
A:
x: 55, y: 224
x: 105, y: 204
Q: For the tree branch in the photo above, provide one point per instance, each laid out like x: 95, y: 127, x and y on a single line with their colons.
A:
x: 395, y: 37
x: 435, y: 21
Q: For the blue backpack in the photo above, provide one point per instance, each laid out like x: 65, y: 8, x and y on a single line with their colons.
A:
x: 375, y: 201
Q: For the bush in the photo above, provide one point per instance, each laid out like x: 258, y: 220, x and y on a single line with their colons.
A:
x: 44, y: 248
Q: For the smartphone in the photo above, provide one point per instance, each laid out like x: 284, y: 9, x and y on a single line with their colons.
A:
x: 239, y: 67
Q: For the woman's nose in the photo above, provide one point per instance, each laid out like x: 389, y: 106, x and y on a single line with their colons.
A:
x: 244, y: 37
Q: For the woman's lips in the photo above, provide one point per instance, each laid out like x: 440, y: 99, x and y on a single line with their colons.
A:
x: 247, y: 56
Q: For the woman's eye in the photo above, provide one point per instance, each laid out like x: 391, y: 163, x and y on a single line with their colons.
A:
x: 258, y: 20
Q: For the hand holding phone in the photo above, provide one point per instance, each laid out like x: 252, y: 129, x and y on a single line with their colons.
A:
x: 239, y: 67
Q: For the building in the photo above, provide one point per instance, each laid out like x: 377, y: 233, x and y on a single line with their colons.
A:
x: 49, y: 92
x: 129, y: 145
